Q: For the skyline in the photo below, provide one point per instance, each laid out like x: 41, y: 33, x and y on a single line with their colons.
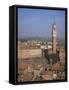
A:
x: 38, y: 23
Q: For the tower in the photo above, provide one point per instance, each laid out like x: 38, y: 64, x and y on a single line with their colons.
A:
x: 54, y: 38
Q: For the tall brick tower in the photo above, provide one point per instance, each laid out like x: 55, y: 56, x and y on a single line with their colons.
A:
x: 54, y: 38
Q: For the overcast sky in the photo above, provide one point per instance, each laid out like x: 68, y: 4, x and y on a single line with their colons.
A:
x: 38, y: 23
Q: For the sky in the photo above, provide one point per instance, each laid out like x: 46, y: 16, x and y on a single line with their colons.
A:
x: 38, y: 23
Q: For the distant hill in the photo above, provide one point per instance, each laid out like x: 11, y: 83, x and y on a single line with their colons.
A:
x: 41, y: 39
x: 35, y: 38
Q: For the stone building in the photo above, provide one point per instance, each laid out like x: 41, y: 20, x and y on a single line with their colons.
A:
x: 28, y: 52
